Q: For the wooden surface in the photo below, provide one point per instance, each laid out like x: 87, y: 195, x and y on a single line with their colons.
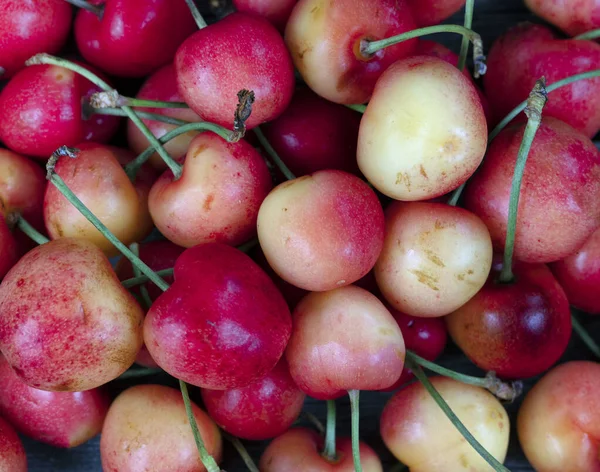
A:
x: 490, y: 20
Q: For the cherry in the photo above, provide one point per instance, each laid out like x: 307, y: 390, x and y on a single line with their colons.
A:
x: 579, y: 275
x: 276, y: 11
x: 9, y: 248
x: 132, y: 38
x: 524, y: 54
x: 432, y: 12
x: 42, y: 110
x: 241, y: 51
x: 325, y: 41
x: 314, y: 134
x: 261, y: 410
x: 12, y: 452
x: 572, y: 16
x: 28, y: 28
x: 518, y: 329
x: 558, y: 208
x: 67, y: 323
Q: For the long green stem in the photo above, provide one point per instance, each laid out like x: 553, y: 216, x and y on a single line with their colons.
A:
x: 30, y: 231
x: 593, y: 34
x: 330, y: 452
x: 132, y: 282
x: 112, y: 99
x: 358, y: 108
x: 196, y: 14
x: 137, y: 373
x: 369, y: 48
x: 142, y: 114
x: 97, y: 10
x: 273, y: 154
x: 464, y: 46
x: 537, y: 99
x: 491, y: 460
x: 239, y: 447
x: 135, y: 248
x: 355, y: 417
x: 585, y: 336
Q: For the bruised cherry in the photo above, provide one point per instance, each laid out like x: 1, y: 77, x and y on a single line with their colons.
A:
x: 12, y: 452
x: 276, y: 11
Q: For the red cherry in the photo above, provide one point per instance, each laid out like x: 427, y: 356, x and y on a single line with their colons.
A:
x: 12, y: 452
x: 133, y: 37
x: 276, y: 11
x: 432, y: 12
x: 9, y: 249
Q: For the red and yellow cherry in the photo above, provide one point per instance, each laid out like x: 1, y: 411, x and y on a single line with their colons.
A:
x: 217, y: 197
x: 28, y: 28
x: 12, y: 452
x: 432, y: 12
x: 325, y: 41
x: 559, y: 420
x: 276, y: 11
x: 418, y: 433
x: 61, y: 419
x: 147, y: 429
x: 558, y: 208
x: 435, y: 258
x: 99, y: 181
x: 344, y: 339
x: 300, y: 449
x: 242, y: 51
x: 132, y: 38
x: 67, y: 323
x: 162, y: 86
x: 572, y: 16
x: 222, y: 324
x: 321, y: 231
x: 524, y: 54
x: 517, y: 329
x: 42, y: 110
x: 579, y: 275
x: 261, y: 410
x: 424, y: 131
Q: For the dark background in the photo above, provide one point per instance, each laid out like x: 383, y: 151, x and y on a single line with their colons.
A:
x: 491, y: 19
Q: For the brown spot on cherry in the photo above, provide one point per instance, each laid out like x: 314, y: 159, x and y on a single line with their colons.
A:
x: 426, y: 279
x: 209, y: 201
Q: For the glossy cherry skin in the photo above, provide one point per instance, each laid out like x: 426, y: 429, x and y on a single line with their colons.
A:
x: 241, y: 51
x: 558, y: 208
x: 325, y: 37
x: 344, y: 339
x: 261, y: 410
x: 27, y: 28
x: 12, y: 452
x: 134, y: 37
x: 558, y: 422
x: 579, y: 275
x: 67, y: 323
x: 574, y: 17
x: 527, y: 52
x: 432, y: 12
x: 301, y: 448
x: 42, y: 110
x: 222, y: 324
x: 276, y: 11
x: 314, y: 134
x: 518, y: 329
x: 61, y: 419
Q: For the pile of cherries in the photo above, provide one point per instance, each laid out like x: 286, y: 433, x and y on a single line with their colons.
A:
x: 285, y: 195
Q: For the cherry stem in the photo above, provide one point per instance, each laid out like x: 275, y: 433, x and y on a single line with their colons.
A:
x: 420, y: 375
x: 312, y: 419
x: 132, y: 282
x: 142, y: 114
x: 355, y: 416
x: 135, y: 248
x: 209, y: 462
x: 369, y: 48
x: 196, y: 14
x: 239, y: 447
x: 273, y: 154
x: 111, y: 99
x: 29, y: 230
x: 137, y: 373
x: 329, y: 451
x: 585, y: 336
x: 593, y: 34
x: 97, y: 10
x: 358, y: 108
x: 535, y: 104
x: 502, y: 390
x: 464, y: 46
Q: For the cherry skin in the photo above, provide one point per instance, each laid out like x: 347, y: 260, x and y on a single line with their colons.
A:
x: 9, y: 247
x: 344, y: 339
x: 558, y: 422
x: 261, y: 410
x: 12, y: 452
x: 558, y: 208
x: 525, y: 53
x: 300, y: 449
x: 242, y: 51
x: 574, y: 17
x: 517, y: 329
x: 42, y: 110
x: 28, y: 28
x: 325, y: 39
x: 432, y: 12
x: 222, y: 324
x: 579, y: 275
x: 133, y: 37
x: 61, y: 419
x: 276, y: 11
x: 314, y: 134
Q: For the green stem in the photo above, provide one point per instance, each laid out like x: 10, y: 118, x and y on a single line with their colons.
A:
x: 273, y: 155
x: 140, y: 102
x: 135, y: 248
x: 358, y: 108
x: 239, y: 447
x: 97, y: 10
x: 491, y: 460
x: 355, y: 416
x: 142, y: 114
x: 208, y: 461
x: 535, y: 104
x: 30, y: 231
x: 456, y: 195
x: 593, y: 34
x: 585, y: 336
x: 196, y: 14
x: 464, y: 46
x: 369, y: 48
x: 330, y: 452
x: 137, y: 373
x: 132, y: 282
